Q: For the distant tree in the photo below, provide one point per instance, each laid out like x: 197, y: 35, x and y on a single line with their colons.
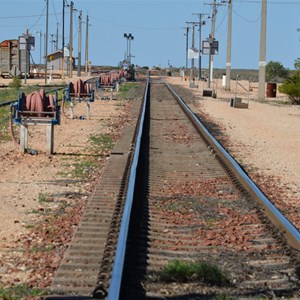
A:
x: 297, y: 63
x: 275, y: 70
x: 291, y: 87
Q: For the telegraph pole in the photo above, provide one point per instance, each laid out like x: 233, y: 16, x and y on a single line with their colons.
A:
x: 228, y: 61
x: 63, y: 42
x: 262, y: 52
x: 87, y: 44
x: 46, y: 42
x: 79, y: 44
x: 56, y: 44
x: 71, y: 41
x: 52, y: 41
x: 186, y: 46
x: 213, y: 29
x: 199, y: 53
x: 193, y: 45
x: 212, y: 35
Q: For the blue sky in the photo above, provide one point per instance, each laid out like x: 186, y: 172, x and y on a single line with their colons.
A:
x: 157, y: 27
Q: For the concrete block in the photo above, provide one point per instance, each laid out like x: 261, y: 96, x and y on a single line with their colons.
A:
x: 209, y: 93
x: 237, y: 103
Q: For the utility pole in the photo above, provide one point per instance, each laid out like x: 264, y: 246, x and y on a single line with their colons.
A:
x: 26, y: 36
x: 79, y: 44
x: 52, y: 41
x: 262, y: 52
x: 46, y: 39
x: 228, y: 60
x: 40, y: 35
x: 56, y: 44
x: 199, y: 53
x: 187, y: 46
x: 71, y: 41
x: 213, y: 29
x: 87, y: 44
x: 193, y: 46
x: 212, y: 35
x: 63, y: 43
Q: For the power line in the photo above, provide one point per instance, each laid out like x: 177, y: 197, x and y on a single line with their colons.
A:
x: 269, y: 2
x: 55, y: 11
x: 38, y: 18
x: 137, y: 26
x: 221, y: 23
x: 247, y: 20
x: 28, y: 16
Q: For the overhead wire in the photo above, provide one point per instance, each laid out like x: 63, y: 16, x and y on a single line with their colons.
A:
x: 247, y: 20
x: 270, y: 2
x: 55, y: 11
x: 221, y: 23
x: 135, y: 27
x: 38, y: 18
x: 28, y: 16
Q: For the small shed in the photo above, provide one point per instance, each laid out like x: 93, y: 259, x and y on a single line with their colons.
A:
x: 54, y: 61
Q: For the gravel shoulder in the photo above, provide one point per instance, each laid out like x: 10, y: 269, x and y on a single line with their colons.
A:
x: 42, y: 197
x: 264, y: 139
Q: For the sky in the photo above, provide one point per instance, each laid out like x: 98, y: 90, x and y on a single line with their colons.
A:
x: 158, y: 29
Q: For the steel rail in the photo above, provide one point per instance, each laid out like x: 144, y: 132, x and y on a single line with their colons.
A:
x: 7, y: 103
x: 276, y: 217
x: 116, y: 277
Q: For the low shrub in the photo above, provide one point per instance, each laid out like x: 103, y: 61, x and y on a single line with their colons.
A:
x: 16, y: 83
x: 182, y: 271
x: 291, y: 87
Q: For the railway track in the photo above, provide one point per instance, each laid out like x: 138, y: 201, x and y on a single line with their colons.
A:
x: 180, y: 202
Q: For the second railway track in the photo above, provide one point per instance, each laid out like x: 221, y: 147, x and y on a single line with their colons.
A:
x: 187, y: 207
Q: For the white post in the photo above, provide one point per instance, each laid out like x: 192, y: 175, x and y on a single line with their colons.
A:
x: 50, y: 138
x: 72, y: 109
x: 23, y: 138
x: 88, y: 109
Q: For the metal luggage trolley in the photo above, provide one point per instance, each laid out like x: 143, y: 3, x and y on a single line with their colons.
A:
x: 81, y: 91
x: 36, y: 109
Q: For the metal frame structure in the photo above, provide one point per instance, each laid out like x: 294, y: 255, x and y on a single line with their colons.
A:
x: 27, y: 118
x: 72, y: 98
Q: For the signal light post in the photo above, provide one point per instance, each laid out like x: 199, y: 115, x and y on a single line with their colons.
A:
x: 129, y: 37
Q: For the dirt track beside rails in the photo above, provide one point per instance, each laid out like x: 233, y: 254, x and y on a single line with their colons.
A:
x: 42, y: 196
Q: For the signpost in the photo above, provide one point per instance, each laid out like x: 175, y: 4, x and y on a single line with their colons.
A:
x: 210, y: 47
x: 26, y: 43
x: 193, y: 53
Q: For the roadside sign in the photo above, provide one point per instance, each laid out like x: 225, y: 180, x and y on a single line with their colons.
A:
x: 214, y: 47
x: 30, y: 42
x: 193, y: 53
